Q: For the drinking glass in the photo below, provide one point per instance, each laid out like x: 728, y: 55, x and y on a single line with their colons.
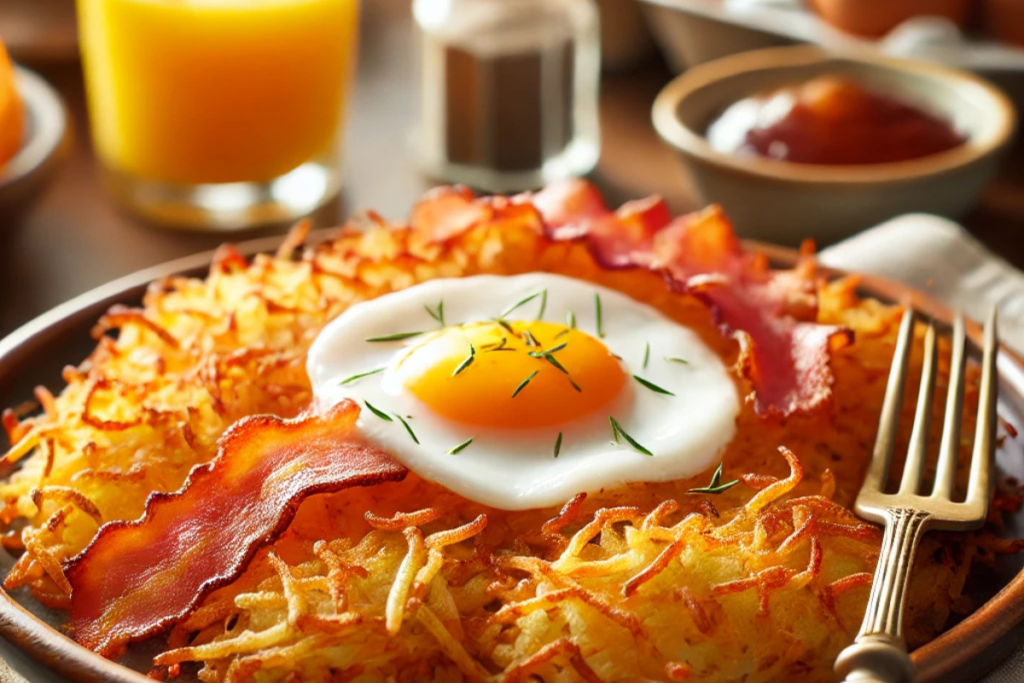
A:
x: 219, y: 114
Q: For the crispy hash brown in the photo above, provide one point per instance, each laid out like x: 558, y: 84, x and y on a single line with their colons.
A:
x: 405, y: 581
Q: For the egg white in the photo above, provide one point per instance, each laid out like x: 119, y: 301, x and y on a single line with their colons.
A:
x: 515, y: 469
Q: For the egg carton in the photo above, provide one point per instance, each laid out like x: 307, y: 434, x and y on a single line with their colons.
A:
x: 695, y: 31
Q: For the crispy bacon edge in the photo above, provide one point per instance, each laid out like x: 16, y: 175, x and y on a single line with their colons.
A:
x: 784, y: 353
x: 137, y: 578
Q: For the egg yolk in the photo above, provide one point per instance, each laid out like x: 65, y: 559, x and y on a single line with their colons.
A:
x: 530, y: 374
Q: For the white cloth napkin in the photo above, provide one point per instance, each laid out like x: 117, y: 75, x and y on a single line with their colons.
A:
x: 938, y: 256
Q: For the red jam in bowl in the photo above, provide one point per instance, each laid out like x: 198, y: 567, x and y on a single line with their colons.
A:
x: 831, y: 120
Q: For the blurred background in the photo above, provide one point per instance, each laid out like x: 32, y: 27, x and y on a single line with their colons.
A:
x: 503, y: 95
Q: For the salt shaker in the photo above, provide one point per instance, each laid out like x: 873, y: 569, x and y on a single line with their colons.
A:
x: 508, y: 93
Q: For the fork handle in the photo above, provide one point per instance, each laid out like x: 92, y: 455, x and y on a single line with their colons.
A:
x: 879, y: 653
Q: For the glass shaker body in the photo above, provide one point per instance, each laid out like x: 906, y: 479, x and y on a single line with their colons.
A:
x: 508, y: 92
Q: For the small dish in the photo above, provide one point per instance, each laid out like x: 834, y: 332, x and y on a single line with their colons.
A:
x: 45, y: 134
x: 783, y: 201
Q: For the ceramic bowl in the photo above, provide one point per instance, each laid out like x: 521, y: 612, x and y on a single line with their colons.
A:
x: 784, y: 202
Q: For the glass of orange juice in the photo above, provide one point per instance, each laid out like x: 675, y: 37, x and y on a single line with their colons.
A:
x: 219, y: 114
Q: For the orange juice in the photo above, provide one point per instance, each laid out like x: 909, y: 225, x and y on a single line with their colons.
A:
x: 216, y: 91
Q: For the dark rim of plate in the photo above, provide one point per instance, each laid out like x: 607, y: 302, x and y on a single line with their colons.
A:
x: 975, y: 644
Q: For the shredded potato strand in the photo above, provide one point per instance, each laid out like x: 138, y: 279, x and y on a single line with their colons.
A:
x: 403, y: 581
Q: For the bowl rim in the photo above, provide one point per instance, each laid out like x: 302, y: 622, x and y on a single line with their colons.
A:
x: 694, y: 143
x: 49, y: 120
x: 952, y: 650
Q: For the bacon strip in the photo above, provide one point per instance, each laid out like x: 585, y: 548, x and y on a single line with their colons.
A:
x: 785, y: 353
x: 445, y: 212
x: 138, y: 578
x: 574, y: 209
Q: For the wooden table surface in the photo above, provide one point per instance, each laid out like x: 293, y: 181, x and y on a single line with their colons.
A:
x: 74, y: 238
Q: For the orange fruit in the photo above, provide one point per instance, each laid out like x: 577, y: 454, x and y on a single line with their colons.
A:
x: 12, y: 114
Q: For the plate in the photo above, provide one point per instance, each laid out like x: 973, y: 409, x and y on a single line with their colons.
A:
x: 35, y: 353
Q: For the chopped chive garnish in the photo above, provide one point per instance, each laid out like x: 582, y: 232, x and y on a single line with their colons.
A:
x: 652, y: 386
x: 554, y: 361
x: 408, y: 428
x: 522, y: 385
x: 522, y: 302
x: 597, y: 312
x: 552, y: 350
x: 558, y: 444
x: 677, y: 360
x: 455, y: 450
x: 378, y: 412
x: 543, y: 304
x: 570, y: 324
x: 467, y: 361
x: 618, y: 431
x: 504, y: 324
x: 716, y: 486
x: 647, y: 354
x: 436, y: 313
x: 499, y: 347
x: 353, y: 378
x: 530, y: 339
x: 394, y: 337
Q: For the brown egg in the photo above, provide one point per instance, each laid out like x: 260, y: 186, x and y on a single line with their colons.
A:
x: 1004, y: 20
x: 875, y: 18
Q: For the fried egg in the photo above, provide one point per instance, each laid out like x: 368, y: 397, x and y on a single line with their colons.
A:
x: 519, y: 392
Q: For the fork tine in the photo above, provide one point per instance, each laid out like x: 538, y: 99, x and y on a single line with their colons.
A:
x: 879, y: 653
x: 978, y: 487
x: 888, y: 423
x: 918, y: 446
x: 949, y: 449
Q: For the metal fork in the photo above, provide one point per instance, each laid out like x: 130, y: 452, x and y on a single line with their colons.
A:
x: 879, y: 653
